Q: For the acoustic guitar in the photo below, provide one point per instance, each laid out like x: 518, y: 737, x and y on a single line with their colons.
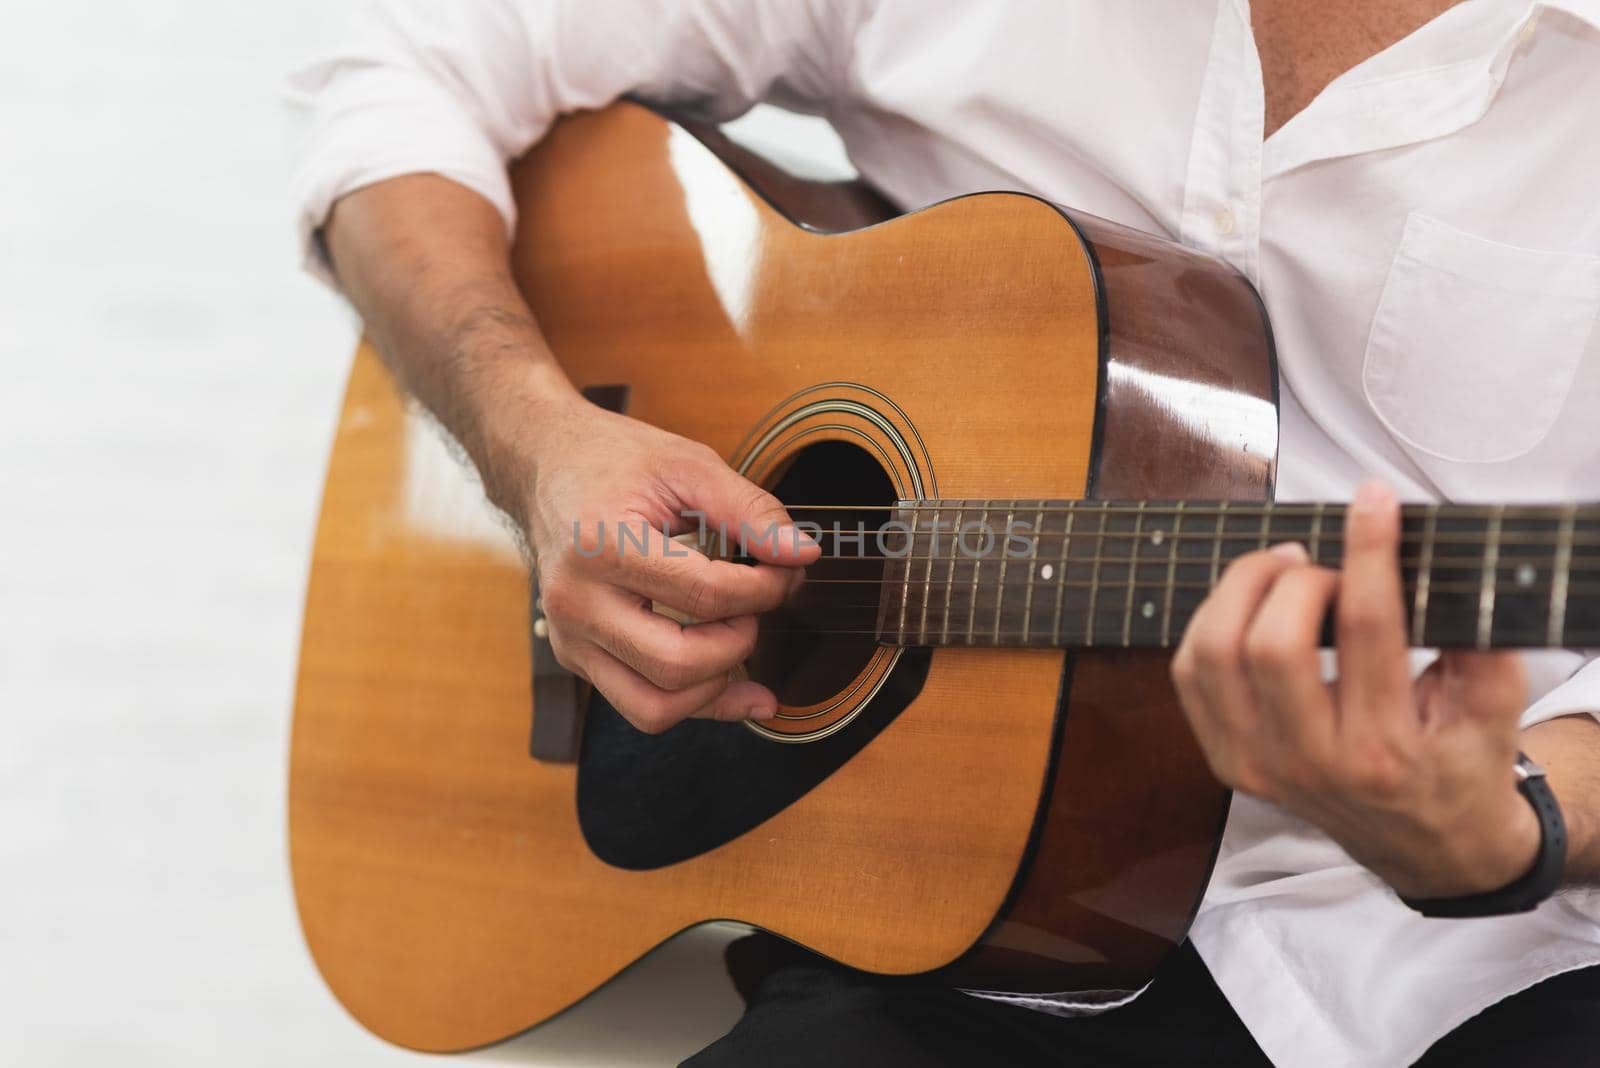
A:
x: 979, y: 771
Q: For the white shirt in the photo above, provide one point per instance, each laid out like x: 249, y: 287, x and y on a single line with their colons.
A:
x: 1426, y: 236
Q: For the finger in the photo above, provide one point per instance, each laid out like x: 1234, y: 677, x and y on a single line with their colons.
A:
x: 741, y: 700
x: 1374, y: 655
x: 752, y: 518
x: 1285, y: 667
x: 1219, y: 630
x: 672, y: 656
x: 652, y: 709
x: 689, y: 582
x: 1210, y: 669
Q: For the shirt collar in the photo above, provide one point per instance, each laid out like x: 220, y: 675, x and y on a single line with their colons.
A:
x: 1357, y: 114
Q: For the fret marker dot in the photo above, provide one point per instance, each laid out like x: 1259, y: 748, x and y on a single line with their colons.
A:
x: 1157, y: 537
x: 1526, y: 574
x: 1148, y: 609
x: 1046, y: 572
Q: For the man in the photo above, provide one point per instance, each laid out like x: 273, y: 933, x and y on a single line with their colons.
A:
x: 1411, y: 185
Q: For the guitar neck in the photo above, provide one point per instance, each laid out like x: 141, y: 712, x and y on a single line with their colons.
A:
x: 1089, y: 574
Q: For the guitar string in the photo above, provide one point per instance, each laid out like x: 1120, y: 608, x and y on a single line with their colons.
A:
x: 1586, y: 510
x: 1513, y: 537
x: 1461, y: 563
x: 1528, y: 639
x: 1585, y: 637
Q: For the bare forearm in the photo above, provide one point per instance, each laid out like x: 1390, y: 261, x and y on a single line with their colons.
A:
x: 1569, y: 749
x: 425, y: 261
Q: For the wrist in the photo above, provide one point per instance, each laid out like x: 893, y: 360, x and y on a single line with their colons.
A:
x: 1535, y: 885
x: 519, y: 402
x: 1505, y: 849
x: 1486, y: 850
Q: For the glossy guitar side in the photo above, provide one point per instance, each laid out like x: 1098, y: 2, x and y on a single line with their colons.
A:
x: 1025, y: 820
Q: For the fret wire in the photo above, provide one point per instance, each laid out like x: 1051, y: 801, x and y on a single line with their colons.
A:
x: 1172, y: 577
x: 1587, y: 564
x: 1315, y: 547
x: 1094, y: 572
x: 1133, y: 577
x: 1588, y: 590
x: 927, y: 575
x: 1522, y: 639
x: 1419, y: 609
x: 1551, y: 513
x: 1445, y: 537
x: 950, y: 584
x: 1590, y: 511
x: 1474, y: 586
x: 905, y: 593
x: 1061, y: 578
x: 1266, y: 526
x: 1216, y: 544
x: 1005, y: 559
x: 1033, y: 567
x: 972, y: 608
x: 1486, y: 593
x: 1559, y: 577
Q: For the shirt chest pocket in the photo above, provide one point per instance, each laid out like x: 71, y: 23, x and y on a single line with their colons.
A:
x: 1475, y: 343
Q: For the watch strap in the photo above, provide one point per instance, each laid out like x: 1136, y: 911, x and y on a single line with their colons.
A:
x: 1542, y: 880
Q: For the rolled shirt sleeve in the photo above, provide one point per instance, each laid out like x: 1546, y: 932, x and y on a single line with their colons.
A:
x: 460, y: 89
x: 1566, y: 684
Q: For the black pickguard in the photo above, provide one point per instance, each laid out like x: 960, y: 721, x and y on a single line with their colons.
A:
x: 647, y: 801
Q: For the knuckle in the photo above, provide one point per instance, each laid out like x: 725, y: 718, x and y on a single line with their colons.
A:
x: 1215, y: 652
x: 704, y: 600
x: 630, y: 652
x: 1360, y: 617
x: 707, y: 455
x: 1302, y: 776
x: 758, y: 501
x: 585, y: 543
x: 1249, y: 564
x: 564, y: 652
x: 1373, y: 773
x: 1183, y: 672
x: 670, y: 674
x: 652, y: 716
x: 1271, y: 650
x: 561, y: 600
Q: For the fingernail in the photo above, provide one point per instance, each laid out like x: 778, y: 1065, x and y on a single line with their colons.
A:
x: 761, y: 712
x: 794, y: 536
x: 1290, y: 550
x: 1372, y: 496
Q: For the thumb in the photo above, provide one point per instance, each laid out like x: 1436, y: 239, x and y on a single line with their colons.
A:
x: 755, y: 522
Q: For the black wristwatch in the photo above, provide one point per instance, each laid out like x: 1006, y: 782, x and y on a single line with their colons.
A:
x: 1542, y: 880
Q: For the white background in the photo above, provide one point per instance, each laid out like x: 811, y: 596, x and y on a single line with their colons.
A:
x: 168, y: 388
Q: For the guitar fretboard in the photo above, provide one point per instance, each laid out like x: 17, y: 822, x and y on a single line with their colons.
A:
x: 1092, y: 574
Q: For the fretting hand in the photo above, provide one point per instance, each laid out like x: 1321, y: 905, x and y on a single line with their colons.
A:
x: 1413, y: 778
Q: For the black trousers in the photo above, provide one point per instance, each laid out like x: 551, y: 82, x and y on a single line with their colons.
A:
x: 809, y: 1013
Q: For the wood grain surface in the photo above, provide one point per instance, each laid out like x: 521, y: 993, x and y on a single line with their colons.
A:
x: 443, y: 884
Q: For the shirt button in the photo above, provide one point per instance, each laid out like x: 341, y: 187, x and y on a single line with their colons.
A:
x: 1223, y: 221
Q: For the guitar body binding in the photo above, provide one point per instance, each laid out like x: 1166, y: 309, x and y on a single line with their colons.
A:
x: 998, y: 818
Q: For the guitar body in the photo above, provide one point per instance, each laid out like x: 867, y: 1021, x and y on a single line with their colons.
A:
x: 1014, y: 819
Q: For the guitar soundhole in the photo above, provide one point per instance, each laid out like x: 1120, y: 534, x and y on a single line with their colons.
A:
x: 649, y: 800
x: 819, y: 643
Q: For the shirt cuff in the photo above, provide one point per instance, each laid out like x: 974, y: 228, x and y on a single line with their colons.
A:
x: 374, y: 124
x: 1579, y: 693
